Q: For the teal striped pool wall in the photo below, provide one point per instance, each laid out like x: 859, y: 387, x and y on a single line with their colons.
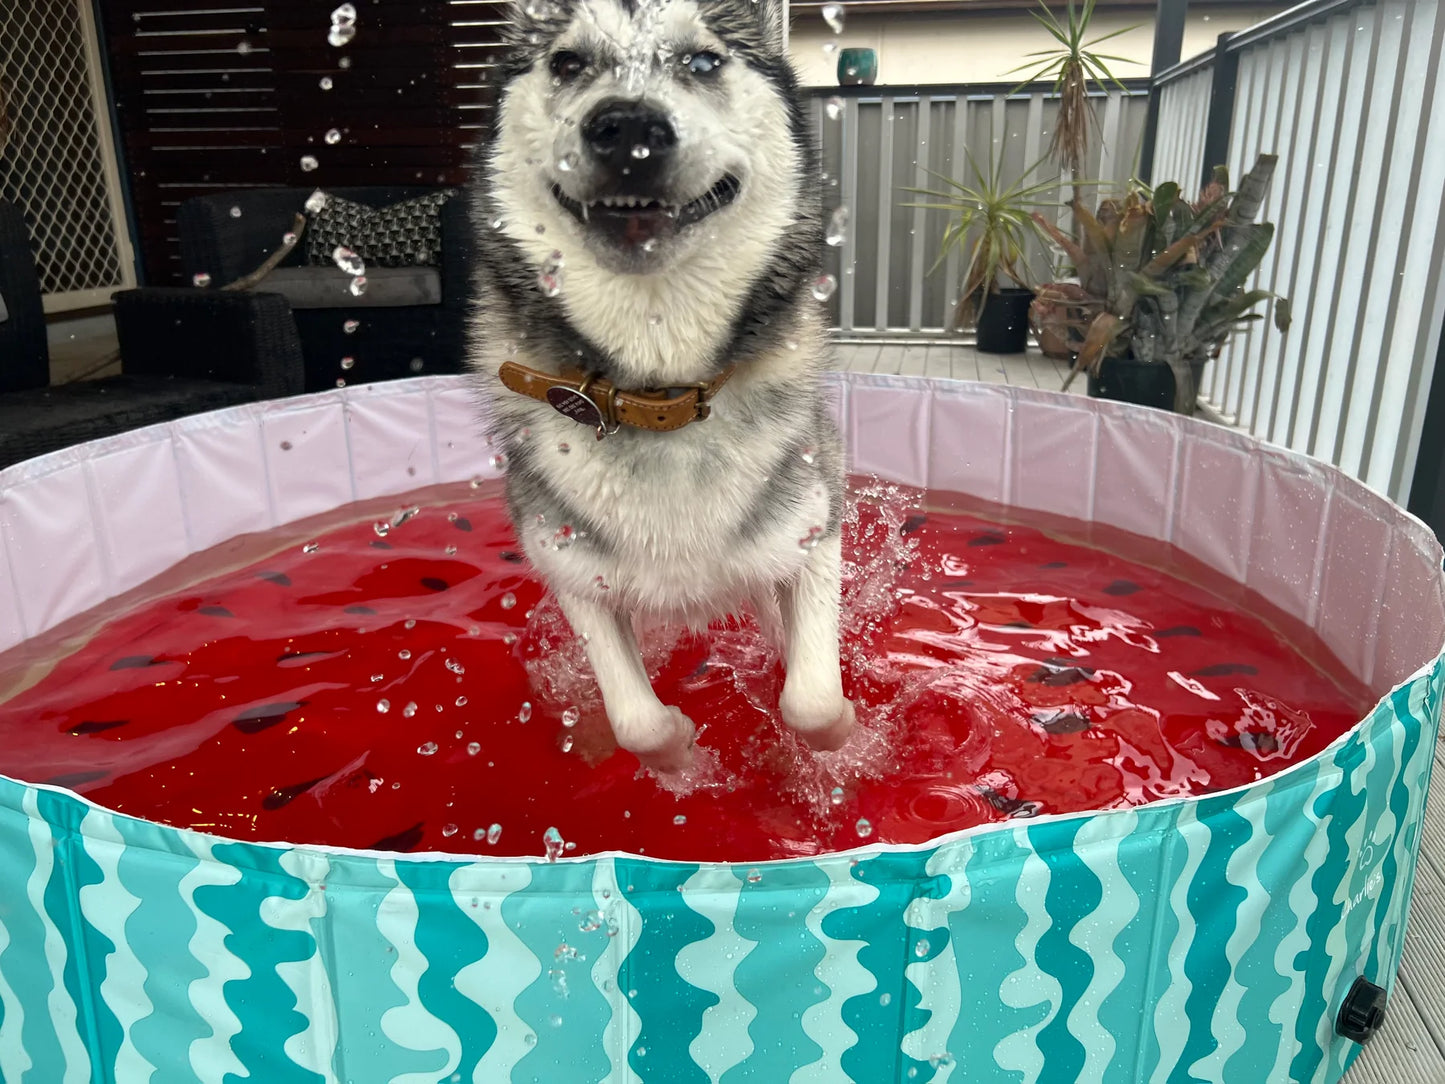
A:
x: 1203, y: 939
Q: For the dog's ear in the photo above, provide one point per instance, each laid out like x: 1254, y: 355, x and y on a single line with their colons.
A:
x: 531, y: 24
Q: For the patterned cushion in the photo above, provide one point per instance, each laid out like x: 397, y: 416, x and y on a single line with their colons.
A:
x: 406, y: 234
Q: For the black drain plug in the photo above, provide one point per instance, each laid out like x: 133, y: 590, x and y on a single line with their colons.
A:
x: 1363, y: 1012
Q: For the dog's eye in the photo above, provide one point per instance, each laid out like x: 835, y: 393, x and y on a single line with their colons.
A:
x: 567, y: 65
x: 702, y: 63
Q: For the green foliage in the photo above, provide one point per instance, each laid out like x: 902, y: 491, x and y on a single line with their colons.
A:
x: 1162, y: 279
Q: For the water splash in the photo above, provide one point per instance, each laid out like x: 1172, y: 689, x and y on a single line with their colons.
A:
x: 308, y: 162
x: 348, y: 260
x: 833, y: 16
x: 823, y: 287
x: 837, y: 227
x: 833, y: 107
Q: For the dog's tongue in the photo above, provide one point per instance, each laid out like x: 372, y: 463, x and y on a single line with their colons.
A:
x: 642, y: 227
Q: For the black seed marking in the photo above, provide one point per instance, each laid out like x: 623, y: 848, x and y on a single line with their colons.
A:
x: 431, y: 583
x: 1062, y: 722
x: 987, y: 540
x: 912, y: 523
x: 1055, y: 564
x: 378, y: 544
x: 284, y: 795
x: 358, y: 610
x: 89, y: 727
x: 1176, y: 630
x: 215, y: 611
x: 1252, y: 741
x: 1058, y: 672
x: 513, y: 556
x: 405, y: 840
x: 280, y: 579
x: 293, y: 656
x: 254, y: 720
x: 134, y: 662
x: 74, y: 779
x: 1018, y: 625
x: 461, y: 523
x: 1121, y: 587
x: 1221, y: 669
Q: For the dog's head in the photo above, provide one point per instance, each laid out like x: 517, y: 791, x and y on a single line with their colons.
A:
x: 646, y: 130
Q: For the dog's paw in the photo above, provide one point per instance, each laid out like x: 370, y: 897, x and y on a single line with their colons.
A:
x: 664, y: 746
x: 824, y: 727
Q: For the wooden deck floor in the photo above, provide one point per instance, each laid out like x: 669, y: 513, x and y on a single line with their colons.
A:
x: 1410, y: 1049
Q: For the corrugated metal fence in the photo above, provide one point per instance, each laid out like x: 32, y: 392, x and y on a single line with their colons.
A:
x: 1352, y: 100
x: 879, y: 142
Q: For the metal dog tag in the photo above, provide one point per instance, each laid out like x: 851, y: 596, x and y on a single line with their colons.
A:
x: 576, y: 406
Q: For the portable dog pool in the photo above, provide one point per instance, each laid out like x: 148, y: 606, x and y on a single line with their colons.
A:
x: 1214, y: 938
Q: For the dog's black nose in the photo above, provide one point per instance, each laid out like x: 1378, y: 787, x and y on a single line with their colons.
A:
x: 629, y: 136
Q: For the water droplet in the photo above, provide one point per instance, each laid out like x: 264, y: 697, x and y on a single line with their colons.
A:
x: 836, y: 796
x: 640, y: 150
x: 650, y: 245
x: 288, y: 238
x: 311, y: 547
x: 655, y: 319
x: 455, y: 667
x: 326, y: 83
x: 567, y: 162
x: 332, y: 136
x: 461, y: 701
x: 555, y: 1020
x: 810, y: 540
x: 201, y: 279
x: 549, y: 274
x: 383, y: 706
x: 508, y: 600
x: 415, y: 365
x: 244, y: 47
x: 864, y: 828
x: 498, y: 461
x: 885, y: 1000
x: 427, y: 748
x: 316, y: 202
x: 350, y: 326
x: 358, y: 286
x: 567, y: 743
x: 570, y: 717
x: 601, y: 584
x: 833, y: 16
x: 403, y: 654
x: 922, y: 948
x: 524, y: 713
x: 449, y: 830
x: 409, y: 710
x: 829, y: 48
x: 810, y: 455
x: 552, y: 840
x: 348, y: 260
x: 754, y: 876
x: 285, y: 445
x: 235, y: 212
x: 834, y: 108
x: 823, y: 287
x: 473, y: 748
x: 564, y: 447
x: 529, y: 1039
x: 348, y: 362
x: 340, y: 383
x: 540, y: 228
x: 308, y: 162
x: 837, y: 229
x: 679, y: 820
x: 494, y: 833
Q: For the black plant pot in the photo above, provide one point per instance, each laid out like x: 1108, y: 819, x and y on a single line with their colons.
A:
x: 1003, y: 322
x: 1128, y: 381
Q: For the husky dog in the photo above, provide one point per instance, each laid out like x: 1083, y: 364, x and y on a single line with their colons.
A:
x: 649, y: 215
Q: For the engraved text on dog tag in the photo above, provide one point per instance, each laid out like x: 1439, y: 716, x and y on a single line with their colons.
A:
x: 576, y: 406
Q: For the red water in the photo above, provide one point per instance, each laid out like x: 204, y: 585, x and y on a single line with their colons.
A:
x: 999, y: 672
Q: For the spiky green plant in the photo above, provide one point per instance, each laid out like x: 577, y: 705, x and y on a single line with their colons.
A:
x: 997, y: 220
x: 1073, y: 66
x: 1163, y: 279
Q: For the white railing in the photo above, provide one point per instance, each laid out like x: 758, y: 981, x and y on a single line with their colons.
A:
x: 886, y: 140
x: 1352, y: 100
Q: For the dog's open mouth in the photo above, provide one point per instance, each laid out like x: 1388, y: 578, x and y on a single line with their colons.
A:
x: 639, y: 222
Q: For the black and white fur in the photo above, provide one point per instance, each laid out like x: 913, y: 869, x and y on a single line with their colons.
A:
x: 742, y: 508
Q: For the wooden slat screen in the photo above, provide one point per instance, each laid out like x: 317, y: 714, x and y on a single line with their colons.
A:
x: 214, y: 96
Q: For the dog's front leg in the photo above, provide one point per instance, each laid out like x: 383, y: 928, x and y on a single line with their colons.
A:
x: 812, y: 701
x: 661, y: 736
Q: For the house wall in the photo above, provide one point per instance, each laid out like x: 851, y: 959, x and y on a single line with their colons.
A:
x: 959, y: 47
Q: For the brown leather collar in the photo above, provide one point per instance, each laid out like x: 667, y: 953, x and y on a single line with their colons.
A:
x: 594, y: 401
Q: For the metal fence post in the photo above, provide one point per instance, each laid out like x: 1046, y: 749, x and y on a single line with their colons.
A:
x: 1221, y: 107
x: 1168, y: 44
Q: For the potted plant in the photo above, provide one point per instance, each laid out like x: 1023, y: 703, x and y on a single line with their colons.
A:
x: 993, y: 224
x: 1160, y: 286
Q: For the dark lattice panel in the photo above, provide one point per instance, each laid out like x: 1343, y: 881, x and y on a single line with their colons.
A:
x: 213, y: 98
